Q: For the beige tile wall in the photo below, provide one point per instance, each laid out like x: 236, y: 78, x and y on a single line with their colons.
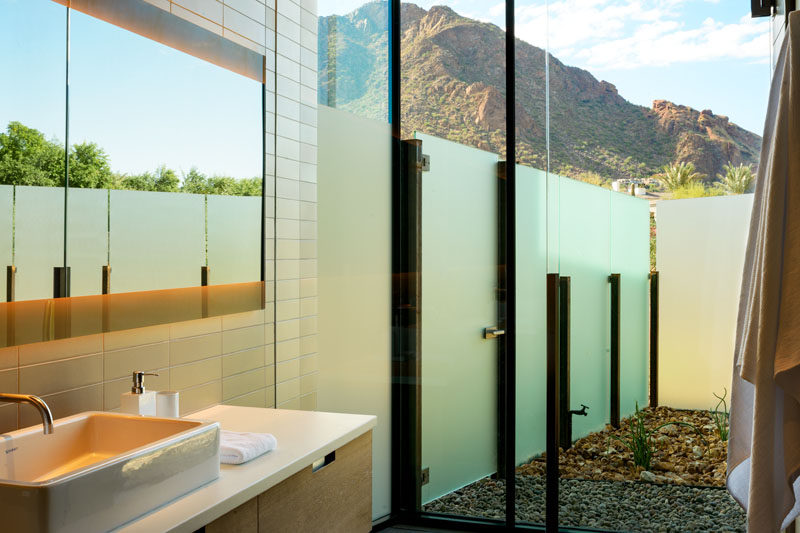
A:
x: 215, y: 360
x: 295, y: 244
x: 259, y: 358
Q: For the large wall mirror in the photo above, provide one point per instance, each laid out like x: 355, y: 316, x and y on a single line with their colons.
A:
x: 126, y: 164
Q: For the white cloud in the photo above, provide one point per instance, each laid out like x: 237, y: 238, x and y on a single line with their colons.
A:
x: 626, y: 34
x: 667, y: 42
x: 498, y: 10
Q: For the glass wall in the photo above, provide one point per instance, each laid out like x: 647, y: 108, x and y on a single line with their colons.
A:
x: 639, y: 115
x: 353, y: 57
x: 354, y: 193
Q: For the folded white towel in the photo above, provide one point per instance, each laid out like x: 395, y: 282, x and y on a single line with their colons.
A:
x: 236, y: 448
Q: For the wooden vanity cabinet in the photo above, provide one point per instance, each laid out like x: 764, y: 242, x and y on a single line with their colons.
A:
x: 337, y: 497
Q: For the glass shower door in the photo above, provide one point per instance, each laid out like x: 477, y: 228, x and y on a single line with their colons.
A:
x: 459, y: 301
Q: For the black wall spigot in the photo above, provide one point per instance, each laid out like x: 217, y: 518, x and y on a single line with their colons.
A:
x: 580, y: 412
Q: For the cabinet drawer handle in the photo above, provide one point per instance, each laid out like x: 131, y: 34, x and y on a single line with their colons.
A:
x: 322, y: 462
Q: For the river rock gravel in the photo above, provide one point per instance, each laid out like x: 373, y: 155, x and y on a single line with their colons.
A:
x: 692, y: 454
x: 609, y: 505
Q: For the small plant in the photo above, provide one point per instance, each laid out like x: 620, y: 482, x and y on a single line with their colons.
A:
x: 639, y: 439
x: 721, y: 418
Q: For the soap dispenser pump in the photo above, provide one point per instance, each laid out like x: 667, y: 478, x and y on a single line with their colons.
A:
x: 139, y: 401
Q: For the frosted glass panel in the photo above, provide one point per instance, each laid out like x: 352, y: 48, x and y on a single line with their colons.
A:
x: 234, y: 235
x: 584, y: 250
x: 157, y: 240
x: 459, y: 276
x: 630, y: 257
x: 700, y: 257
x: 531, y: 312
x: 87, y: 239
x: 39, y: 240
x: 6, y: 229
x: 355, y: 280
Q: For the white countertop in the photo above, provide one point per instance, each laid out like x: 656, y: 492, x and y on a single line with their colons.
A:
x: 303, y: 437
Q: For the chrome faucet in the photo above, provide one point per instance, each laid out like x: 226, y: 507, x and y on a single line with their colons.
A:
x: 38, y: 403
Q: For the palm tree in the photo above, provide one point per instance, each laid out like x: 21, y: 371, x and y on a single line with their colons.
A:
x: 678, y: 175
x: 737, y: 180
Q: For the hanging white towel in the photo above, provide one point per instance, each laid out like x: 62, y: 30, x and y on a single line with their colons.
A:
x: 764, y: 445
x: 237, y: 448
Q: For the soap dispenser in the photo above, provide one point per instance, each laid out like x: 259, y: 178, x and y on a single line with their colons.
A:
x: 138, y: 401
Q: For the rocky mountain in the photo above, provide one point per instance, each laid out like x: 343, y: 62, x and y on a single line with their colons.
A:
x: 453, y: 79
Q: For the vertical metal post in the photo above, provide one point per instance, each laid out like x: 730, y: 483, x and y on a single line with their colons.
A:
x: 654, y: 339
x: 564, y: 417
x: 502, y: 321
x: 204, y: 275
x: 11, y: 314
x: 11, y: 283
x: 105, y: 286
x: 406, y: 420
x: 406, y: 329
x: 510, y: 338
x: 614, y: 280
x: 553, y: 408
x: 63, y: 289
x: 263, y: 181
x: 61, y: 281
x: 106, y: 290
x: 60, y: 316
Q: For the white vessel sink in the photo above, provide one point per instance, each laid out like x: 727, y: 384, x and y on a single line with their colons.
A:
x: 97, y: 470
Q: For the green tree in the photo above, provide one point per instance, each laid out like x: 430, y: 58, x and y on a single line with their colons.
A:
x: 163, y: 180
x: 194, y: 182
x: 678, y: 175
x: 248, y: 187
x: 88, y: 167
x: 737, y: 179
x: 197, y: 183
x: 28, y: 158
x: 221, y: 185
x: 136, y: 182
x: 166, y: 180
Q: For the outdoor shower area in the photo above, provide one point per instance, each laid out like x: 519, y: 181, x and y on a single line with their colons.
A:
x: 658, y: 338
x: 599, y: 242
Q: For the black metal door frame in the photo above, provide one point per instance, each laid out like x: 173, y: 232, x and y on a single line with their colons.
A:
x: 406, y: 301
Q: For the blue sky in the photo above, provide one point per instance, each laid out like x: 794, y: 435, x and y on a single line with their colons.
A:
x: 148, y: 105
x: 144, y: 103
x: 707, y: 54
